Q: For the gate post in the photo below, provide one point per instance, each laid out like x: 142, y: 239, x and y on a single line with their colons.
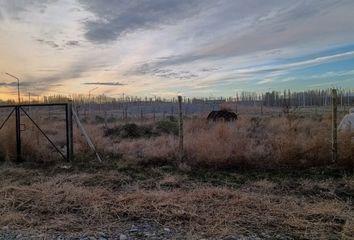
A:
x: 69, y: 132
x: 18, y: 134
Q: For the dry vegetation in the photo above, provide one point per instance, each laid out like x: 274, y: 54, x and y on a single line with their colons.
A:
x: 253, y: 141
x: 315, y: 204
x: 140, y: 180
x: 271, y: 141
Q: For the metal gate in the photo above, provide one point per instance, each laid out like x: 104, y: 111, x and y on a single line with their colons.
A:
x: 24, y: 109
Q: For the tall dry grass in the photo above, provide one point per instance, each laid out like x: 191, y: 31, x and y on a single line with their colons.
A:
x: 252, y: 141
x: 286, y: 141
x: 260, y: 142
x: 8, y: 142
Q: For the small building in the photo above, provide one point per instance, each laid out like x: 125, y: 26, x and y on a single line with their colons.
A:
x: 347, y: 123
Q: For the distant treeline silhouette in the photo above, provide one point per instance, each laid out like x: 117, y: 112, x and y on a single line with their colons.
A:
x: 320, y: 97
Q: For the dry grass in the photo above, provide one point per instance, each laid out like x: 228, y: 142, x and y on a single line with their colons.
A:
x: 104, y: 200
x: 270, y: 141
x: 259, y: 142
x: 197, y: 202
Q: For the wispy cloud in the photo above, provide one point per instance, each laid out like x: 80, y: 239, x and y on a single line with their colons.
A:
x: 48, y: 42
x: 15, y: 7
x: 267, y: 80
x: 164, y: 73
x: 104, y: 83
x: 296, y: 65
x: 35, y: 85
x: 12, y: 84
x: 72, y: 43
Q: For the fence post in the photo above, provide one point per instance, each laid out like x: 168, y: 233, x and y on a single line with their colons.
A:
x: 18, y: 134
x: 69, y: 132
x: 126, y: 114
x: 105, y: 119
x: 334, y: 126
x: 180, y: 129
x: 154, y: 115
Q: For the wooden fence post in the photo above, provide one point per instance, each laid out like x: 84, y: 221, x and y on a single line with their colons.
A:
x: 126, y: 114
x: 334, y: 126
x: 154, y: 115
x: 105, y: 119
x: 180, y: 129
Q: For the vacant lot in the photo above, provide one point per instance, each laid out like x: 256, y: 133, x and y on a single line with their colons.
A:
x: 86, y: 198
x: 261, y: 177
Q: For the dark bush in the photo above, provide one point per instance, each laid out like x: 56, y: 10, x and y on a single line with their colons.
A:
x: 130, y: 130
x: 168, y: 127
x: 172, y: 118
x: 100, y: 119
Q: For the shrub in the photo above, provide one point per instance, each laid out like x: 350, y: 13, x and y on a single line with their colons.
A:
x: 130, y: 130
x: 99, y: 119
x: 168, y: 127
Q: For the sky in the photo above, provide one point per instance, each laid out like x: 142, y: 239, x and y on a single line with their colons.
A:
x: 196, y: 48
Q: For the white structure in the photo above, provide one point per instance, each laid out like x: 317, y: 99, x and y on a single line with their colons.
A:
x: 347, y: 124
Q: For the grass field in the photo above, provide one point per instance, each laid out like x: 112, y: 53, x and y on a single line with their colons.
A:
x: 316, y: 203
x: 265, y: 176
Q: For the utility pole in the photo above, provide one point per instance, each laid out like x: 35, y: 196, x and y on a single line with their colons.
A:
x: 18, y: 86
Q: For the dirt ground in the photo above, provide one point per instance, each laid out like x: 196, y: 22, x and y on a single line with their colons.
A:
x: 68, y: 201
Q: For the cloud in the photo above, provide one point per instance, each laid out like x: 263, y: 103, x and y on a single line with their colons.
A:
x: 8, y: 84
x: 72, y: 43
x: 211, y: 69
x: 159, y: 69
x: 296, y: 65
x: 267, y: 80
x: 75, y: 71
x: 14, y: 8
x: 28, y: 84
x: 264, y: 30
x: 167, y: 45
x: 104, y: 83
x: 53, y: 44
x: 153, y: 70
x: 48, y: 42
x: 288, y: 25
x: 113, y: 18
